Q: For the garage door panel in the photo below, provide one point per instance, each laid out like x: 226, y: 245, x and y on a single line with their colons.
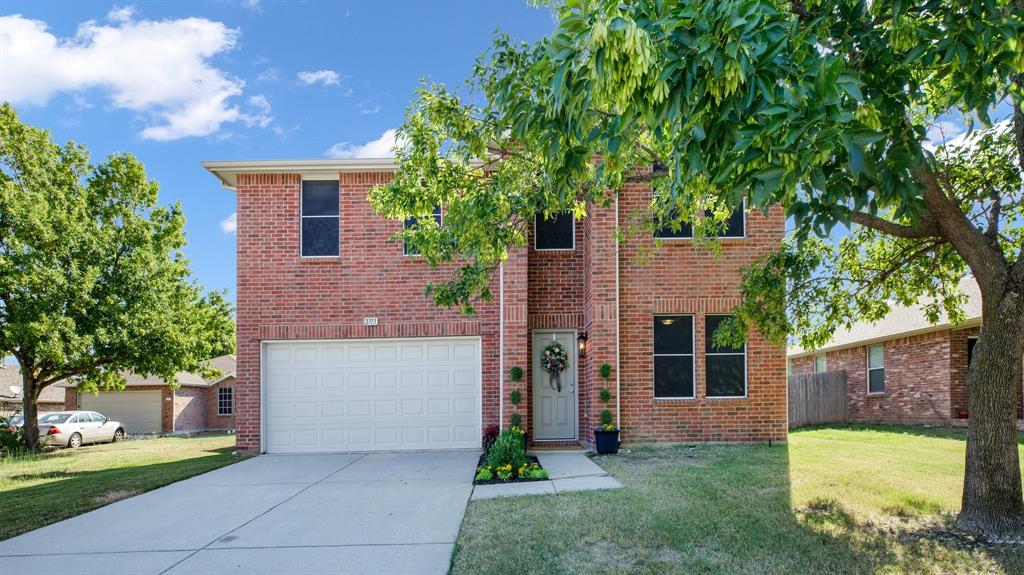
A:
x: 138, y: 411
x: 373, y: 395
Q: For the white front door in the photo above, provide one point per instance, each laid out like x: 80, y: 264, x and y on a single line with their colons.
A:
x: 367, y: 395
x: 554, y: 399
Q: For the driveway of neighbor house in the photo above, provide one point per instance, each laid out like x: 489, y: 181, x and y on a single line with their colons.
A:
x: 337, y: 513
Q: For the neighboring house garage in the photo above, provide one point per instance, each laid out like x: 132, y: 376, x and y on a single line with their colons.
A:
x: 147, y: 405
x: 138, y: 411
x: 366, y: 395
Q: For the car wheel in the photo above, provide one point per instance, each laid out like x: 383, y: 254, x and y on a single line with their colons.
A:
x: 118, y: 435
x: 75, y: 441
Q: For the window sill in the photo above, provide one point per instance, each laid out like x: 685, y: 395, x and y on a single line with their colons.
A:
x: 674, y: 399
x: 225, y: 414
x: 876, y: 394
x: 727, y: 397
x: 319, y: 259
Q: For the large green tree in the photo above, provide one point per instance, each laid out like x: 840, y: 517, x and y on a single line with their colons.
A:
x: 92, y: 278
x: 821, y: 107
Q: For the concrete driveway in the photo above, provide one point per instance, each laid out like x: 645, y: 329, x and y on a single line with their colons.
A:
x: 332, y: 513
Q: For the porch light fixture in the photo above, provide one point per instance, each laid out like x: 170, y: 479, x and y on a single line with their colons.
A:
x: 668, y: 320
x: 581, y: 340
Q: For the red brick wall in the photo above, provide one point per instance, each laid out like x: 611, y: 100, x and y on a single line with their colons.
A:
x: 189, y: 409
x: 685, y: 278
x: 282, y: 296
x: 925, y: 378
x: 214, y: 421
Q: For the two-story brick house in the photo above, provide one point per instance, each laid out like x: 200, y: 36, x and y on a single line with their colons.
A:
x: 339, y: 349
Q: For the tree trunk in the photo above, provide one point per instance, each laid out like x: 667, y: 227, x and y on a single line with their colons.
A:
x: 992, y: 503
x: 30, y: 397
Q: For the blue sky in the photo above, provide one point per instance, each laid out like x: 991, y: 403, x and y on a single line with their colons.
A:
x: 176, y: 83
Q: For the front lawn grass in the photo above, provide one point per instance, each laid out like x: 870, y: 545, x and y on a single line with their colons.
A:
x: 842, y: 499
x: 37, y: 490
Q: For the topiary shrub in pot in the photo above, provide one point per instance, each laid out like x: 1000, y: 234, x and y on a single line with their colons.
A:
x: 606, y: 437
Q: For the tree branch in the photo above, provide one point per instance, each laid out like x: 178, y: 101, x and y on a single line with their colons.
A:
x: 925, y: 229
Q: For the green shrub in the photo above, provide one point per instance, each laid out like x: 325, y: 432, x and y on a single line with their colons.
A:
x: 538, y: 473
x: 516, y: 373
x: 606, y: 418
x: 606, y: 371
x: 11, y: 442
x: 605, y: 395
x: 516, y: 419
x: 484, y: 474
x: 508, y: 449
x: 517, y: 397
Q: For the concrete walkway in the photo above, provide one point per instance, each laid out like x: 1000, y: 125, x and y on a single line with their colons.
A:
x: 567, y: 471
x: 329, y: 513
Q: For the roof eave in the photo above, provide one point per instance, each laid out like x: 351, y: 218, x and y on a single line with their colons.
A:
x: 972, y: 322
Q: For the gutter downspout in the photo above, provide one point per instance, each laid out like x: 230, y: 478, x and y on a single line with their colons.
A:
x: 501, y: 345
x: 618, y: 360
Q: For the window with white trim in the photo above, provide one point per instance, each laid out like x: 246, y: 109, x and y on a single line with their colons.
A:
x: 820, y: 364
x: 414, y: 221
x: 673, y: 357
x: 557, y: 232
x: 225, y: 401
x: 726, y: 366
x: 876, y: 369
x: 320, y: 217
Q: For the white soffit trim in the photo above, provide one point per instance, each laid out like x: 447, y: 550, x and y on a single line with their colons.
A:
x: 317, y: 169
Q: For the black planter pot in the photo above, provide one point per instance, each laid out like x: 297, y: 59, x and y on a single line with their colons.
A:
x: 606, y: 441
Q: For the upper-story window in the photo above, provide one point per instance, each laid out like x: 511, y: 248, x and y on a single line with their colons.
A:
x: 320, y: 219
x: 557, y: 232
x: 409, y: 250
x: 735, y: 227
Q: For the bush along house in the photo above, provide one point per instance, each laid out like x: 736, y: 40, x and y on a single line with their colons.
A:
x: 339, y: 349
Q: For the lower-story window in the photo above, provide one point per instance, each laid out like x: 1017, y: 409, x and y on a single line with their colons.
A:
x: 876, y: 369
x: 225, y: 401
x: 726, y: 365
x: 673, y: 357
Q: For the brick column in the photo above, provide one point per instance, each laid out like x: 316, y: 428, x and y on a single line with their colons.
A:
x: 600, y: 314
x: 516, y: 336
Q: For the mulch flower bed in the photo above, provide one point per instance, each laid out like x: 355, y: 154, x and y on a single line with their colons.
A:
x: 532, y: 464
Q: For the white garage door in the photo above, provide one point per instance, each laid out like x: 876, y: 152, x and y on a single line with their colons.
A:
x: 366, y: 395
x: 138, y: 411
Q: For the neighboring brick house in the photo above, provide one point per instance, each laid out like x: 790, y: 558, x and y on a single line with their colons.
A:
x: 339, y: 349
x: 902, y: 369
x: 148, y: 405
x: 50, y: 399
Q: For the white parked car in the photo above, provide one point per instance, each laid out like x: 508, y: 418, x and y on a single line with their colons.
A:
x: 76, y: 428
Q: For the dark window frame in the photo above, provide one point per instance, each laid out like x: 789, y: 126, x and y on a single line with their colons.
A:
x: 225, y: 401
x: 870, y: 369
x: 692, y: 355
x: 671, y: 234
x: 303, y: 217
x: 536, y: 235
x: 437, y: 214
x: 708, y: 355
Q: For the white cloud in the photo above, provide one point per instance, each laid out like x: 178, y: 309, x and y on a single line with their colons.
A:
x: 121, y: 13
x: 382, y: 147
x: 161, y: 70
x: 268, y: 75
x: 943, y: 132
x: 367, y: 108
x: 229, y: 225
x: 252, y: 5
x: 260, y: 112
x: 325, y: 77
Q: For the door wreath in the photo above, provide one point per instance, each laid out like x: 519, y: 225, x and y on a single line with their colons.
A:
x: 555, y: 361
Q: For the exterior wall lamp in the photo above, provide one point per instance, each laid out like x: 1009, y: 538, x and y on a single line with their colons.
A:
x: 581, y: 341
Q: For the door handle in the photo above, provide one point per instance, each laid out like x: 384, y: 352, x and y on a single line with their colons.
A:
x: 572, y: 387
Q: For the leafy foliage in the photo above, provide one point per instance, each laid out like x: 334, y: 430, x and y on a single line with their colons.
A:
x: 516, y: 373
x: 92, y: 277
x: 508, y: 449
x: 12, y: 439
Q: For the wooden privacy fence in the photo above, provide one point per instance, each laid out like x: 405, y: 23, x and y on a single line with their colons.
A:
x: 817, y: 398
